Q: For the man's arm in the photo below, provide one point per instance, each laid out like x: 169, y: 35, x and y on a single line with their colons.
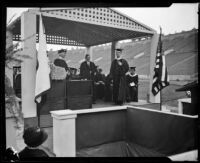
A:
x: 125, y: 66
x: 81, y: 69
x: 61, y: 63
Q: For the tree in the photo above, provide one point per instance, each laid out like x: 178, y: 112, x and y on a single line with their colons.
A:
x: 13, y: 54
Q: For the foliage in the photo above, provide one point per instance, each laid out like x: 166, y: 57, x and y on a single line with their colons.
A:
x: 13, y: 54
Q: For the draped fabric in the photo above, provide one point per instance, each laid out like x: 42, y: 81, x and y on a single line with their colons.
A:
x: 58, y: 73
x: 160, y: 78
x: 43, y: 71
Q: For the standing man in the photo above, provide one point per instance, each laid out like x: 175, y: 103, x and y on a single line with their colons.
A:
x: 60, y: 67
x: 132, y: 84
x: 88, y: 71
x: 118, y: 69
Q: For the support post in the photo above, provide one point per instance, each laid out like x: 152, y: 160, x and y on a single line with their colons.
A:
x: 154, y: 43
x: 113, y: 46
x: 28, y: 34
x: 89, y: 51
x: 64, y: 136
x: 9, y: 43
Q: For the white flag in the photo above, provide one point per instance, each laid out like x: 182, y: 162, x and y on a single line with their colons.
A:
x: 43, y: 71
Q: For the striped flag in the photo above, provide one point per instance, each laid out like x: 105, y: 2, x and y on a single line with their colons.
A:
x: 160, y: 78
x: 43, y: 68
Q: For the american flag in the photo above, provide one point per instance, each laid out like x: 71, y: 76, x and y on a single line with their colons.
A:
x: 160, y: 78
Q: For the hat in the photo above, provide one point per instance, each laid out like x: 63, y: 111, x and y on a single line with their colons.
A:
x: 34, y: 136
x: 132, y: 68
x: 62, y: 50
x: 119, y: 49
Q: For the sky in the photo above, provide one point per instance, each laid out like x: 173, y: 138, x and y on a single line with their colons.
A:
x: 176, y: 18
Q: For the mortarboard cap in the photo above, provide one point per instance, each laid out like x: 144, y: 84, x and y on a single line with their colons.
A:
x: 119, y: 49
x: 133, y: 67
x: 62, y: 51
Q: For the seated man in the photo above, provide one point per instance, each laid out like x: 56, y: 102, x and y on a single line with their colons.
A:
x: 108, y: 89
x: 100, y: 84
x: 132, y: 85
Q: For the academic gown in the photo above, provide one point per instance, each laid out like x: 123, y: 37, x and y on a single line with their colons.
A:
x: 132, y: 87
x: 117, y: 73
x: 62, y: 63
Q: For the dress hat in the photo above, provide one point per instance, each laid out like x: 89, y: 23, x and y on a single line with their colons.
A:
x: 34, y: 136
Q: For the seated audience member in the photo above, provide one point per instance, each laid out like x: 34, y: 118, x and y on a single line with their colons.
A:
x: 17, y: 85
x: 11, y: 155
x: 108, y: 89
x: 34, y: 137
x: 100, y: 84
x: 132, y: 85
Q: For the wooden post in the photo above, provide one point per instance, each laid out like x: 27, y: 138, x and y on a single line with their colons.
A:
x: 154, y: 43
x: 28, y: 34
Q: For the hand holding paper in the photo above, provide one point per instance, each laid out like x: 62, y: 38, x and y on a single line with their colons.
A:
x: 132, y: 84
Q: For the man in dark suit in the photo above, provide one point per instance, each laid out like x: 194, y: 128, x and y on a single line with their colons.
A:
x: 119, y: 68
x: 88, y: 71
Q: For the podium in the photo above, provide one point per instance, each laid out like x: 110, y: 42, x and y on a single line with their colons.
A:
x: 78, y: 94
x: 64, y: 94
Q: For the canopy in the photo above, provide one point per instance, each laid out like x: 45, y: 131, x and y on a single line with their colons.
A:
x: 85, y: 26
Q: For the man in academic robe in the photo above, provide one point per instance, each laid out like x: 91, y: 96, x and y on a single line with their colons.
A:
x: 119, y: 68
x: 18, y: 83
x: 60, y: 62
x: 88, y: 71
x: 132, y: 85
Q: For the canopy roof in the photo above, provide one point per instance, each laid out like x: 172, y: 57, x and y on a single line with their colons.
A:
x: 85, y: 26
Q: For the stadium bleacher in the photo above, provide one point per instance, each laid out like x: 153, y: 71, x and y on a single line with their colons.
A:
x: 182, y: 60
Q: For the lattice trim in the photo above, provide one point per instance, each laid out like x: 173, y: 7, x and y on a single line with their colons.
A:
x: 53, y: 40
x: 104, y: 16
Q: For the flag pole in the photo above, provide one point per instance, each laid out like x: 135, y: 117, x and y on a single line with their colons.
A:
x: 160, y: 86
x: 161, y: 100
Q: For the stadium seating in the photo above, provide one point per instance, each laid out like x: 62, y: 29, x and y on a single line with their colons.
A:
x: 179, y: 61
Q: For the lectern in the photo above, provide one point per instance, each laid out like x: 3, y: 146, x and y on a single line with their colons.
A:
x: 64, y: 94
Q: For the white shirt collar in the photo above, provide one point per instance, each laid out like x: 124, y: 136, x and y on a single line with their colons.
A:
x: 131, y: 74
x: 119, y: 58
